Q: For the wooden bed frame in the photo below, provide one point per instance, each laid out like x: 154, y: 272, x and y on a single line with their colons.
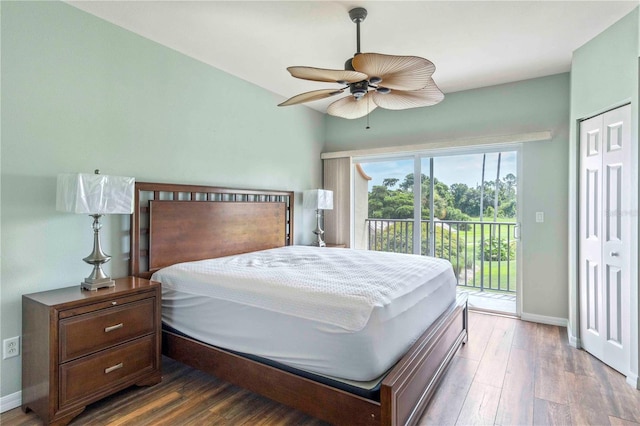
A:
x: 175, y: 223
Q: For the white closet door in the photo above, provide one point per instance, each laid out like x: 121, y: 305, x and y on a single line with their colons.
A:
x: 590, y: 235
x: 604, y: 237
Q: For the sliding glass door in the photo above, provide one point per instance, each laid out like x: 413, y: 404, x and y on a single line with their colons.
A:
x: 388, y: 203
x: 460, y: 207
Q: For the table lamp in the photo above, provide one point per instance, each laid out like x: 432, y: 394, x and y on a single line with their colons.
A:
x: 95, y: 195
x: 318, y: 199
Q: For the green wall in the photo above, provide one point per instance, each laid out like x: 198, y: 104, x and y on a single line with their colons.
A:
x: 605, y: 75
x: 78, y: 94
x: 508, y: 109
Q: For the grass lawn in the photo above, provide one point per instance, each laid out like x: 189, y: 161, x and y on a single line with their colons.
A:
x: 497, y: 276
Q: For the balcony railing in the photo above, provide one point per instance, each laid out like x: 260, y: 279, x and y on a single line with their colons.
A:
x: 483, y: 254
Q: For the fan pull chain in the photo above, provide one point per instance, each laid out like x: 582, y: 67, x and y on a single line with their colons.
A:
x: 367, y: 128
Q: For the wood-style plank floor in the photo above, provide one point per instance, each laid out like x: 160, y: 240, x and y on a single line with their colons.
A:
x: 510, y: 372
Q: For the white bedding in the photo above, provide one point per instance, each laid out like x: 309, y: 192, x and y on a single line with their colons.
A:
x: 344, y: 313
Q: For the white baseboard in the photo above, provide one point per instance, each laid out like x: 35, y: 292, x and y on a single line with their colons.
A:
x: 543, y: 319
x: 573, y: 340
x: 633, y: 380
x: 11, y: 401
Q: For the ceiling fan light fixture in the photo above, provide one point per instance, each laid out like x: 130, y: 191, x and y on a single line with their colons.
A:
x: 407, y: 81
x: 359, y: 89
x: 349, y: 108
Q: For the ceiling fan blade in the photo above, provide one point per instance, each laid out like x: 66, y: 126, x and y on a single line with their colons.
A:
x: 348, y: 107
x: 401, y: 99
x: 329, y: 76
x: 311, y: 96
x: 396, y: 72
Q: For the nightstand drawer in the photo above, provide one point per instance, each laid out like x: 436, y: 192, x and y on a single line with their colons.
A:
x: 82, y: 379
x: 88, y: 333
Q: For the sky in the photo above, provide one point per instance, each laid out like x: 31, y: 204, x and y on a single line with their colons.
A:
x: 465, y: 169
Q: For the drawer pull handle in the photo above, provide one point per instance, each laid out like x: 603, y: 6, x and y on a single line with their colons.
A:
x: 113, y: 327
x: 115, y: 367
x: 114, y: 303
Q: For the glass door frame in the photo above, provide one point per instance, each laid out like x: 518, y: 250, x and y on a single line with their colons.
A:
x: 417, y: 189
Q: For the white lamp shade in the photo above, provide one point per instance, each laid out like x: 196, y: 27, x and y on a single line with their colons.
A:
x: 95, y: 194
x: 318, y: 199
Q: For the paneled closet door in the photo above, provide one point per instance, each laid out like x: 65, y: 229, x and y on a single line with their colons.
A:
x: 590, y: 271
x: 604, y: 237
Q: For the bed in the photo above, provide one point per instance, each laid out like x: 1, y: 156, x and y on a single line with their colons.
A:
x: 202, y: 225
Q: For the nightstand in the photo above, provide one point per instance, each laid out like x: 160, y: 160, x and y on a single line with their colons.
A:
x: 79, y: 346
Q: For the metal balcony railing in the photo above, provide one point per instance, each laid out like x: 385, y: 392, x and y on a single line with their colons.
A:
x: 483, y: 254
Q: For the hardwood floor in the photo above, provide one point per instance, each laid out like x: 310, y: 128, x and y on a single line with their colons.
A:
x: 510, y: 372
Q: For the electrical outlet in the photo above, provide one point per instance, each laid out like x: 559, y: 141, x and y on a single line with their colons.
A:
x: 11, y: 347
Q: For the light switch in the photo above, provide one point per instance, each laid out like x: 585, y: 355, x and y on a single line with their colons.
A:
x: 539, y: 217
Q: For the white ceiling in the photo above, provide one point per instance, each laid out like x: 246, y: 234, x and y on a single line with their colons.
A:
x: 472, y: 43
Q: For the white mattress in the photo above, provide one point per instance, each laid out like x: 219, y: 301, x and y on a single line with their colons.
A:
x: 348, y: 314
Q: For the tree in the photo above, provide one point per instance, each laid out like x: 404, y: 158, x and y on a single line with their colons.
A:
x: 510, y: 182
x: 460, y: 194
x: 457, y: 202
x: 376, y: 201
x: 390, y: 182
x: 508, y: 209
x: 407, y: 183
x: 390, y: 204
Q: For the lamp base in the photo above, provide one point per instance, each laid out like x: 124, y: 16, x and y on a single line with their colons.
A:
x: 319, y: 242
x: 94, y: 285
x: 97, y: 279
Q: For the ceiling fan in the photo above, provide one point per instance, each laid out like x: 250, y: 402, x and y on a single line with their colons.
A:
x: 373, y: 79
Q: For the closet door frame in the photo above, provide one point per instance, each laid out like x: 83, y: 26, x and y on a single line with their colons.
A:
x: 605, y: 238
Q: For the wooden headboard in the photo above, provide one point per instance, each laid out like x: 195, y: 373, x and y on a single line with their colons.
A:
x: 174, y: 223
